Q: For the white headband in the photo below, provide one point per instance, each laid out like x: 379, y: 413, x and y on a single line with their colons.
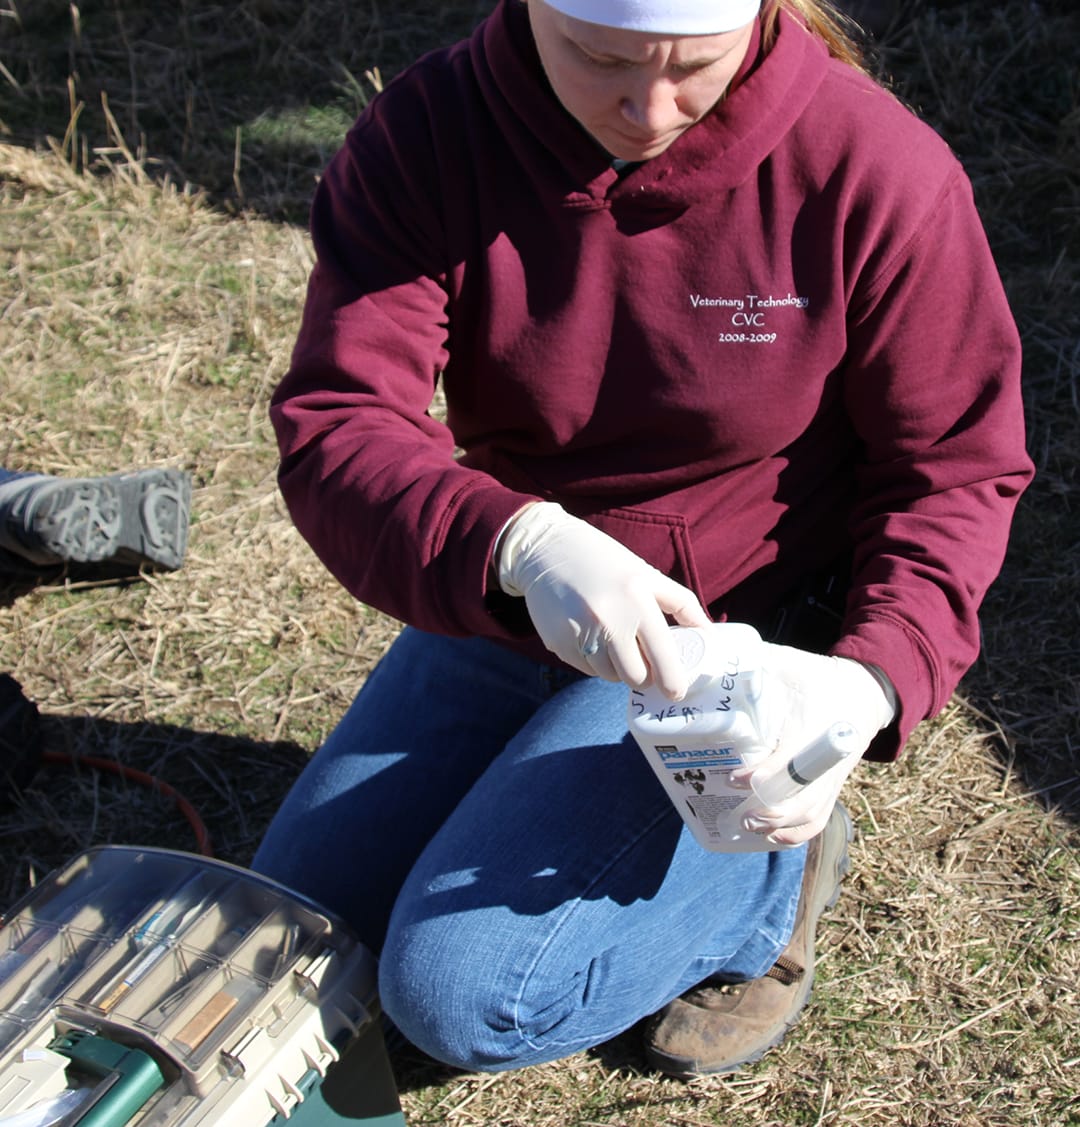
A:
x: 667, y: 17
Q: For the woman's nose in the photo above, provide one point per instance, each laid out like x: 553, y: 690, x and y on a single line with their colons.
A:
x: 651, y: 106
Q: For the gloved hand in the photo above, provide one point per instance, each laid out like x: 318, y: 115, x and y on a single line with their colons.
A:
x: 594, y: 603
x: 803, y: 694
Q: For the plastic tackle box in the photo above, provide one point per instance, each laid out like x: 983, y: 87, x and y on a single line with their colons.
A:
x: 158, y: 988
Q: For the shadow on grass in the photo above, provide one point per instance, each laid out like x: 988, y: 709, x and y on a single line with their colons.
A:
x: 414, y: 1071
x: 233, y: 784
x: 246, y: 100
x: 1026, y: 682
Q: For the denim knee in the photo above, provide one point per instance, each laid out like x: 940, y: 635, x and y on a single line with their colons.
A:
x: 482, y: 1009
x: 450, y: 1009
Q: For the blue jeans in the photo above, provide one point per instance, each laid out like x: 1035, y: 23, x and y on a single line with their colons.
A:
x: 492, y: 832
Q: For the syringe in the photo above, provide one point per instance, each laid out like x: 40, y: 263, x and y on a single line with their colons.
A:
x: 834, y: 746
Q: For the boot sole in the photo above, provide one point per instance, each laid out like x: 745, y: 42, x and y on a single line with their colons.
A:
x: 138, y: 519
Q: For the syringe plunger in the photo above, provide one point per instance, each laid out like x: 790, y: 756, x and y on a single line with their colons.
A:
x: 835, y: 745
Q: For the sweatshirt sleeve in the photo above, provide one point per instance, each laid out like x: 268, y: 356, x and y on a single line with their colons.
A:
x: 932, y: 386
x: 368, y: 474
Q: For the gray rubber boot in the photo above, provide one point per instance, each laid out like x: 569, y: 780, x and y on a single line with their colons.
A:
x: 123, y: 521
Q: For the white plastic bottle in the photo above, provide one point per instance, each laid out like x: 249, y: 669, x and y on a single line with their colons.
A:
x: 694, y: 745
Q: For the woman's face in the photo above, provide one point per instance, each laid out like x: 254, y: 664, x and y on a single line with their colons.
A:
x: 633, y: 92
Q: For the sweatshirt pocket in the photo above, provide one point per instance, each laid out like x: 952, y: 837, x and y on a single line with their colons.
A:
x: 661, y: 539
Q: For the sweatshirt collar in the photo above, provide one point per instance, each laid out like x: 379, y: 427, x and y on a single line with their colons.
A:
x: 765, y: 98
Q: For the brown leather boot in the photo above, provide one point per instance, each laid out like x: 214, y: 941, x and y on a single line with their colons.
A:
x: 719, y: 1026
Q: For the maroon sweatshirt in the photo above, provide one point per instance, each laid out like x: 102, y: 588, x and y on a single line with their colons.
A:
x: 783, y: 337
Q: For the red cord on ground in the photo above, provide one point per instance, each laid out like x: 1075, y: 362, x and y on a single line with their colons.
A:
x: 202, y: 836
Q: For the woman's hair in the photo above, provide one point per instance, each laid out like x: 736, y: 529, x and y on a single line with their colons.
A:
x: 824, y: 21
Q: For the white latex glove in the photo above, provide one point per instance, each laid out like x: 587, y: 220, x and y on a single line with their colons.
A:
x: 594, y: 603
x: 803, y: 695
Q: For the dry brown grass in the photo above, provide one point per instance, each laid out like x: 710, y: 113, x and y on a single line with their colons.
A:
x: 142, y: 322
x: 140, y: 327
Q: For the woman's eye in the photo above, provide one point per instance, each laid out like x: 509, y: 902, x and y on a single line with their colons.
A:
x: 603, y: 64
x: 691, y: 68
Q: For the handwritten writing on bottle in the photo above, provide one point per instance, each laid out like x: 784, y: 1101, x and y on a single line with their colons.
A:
x: 723, y: 685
